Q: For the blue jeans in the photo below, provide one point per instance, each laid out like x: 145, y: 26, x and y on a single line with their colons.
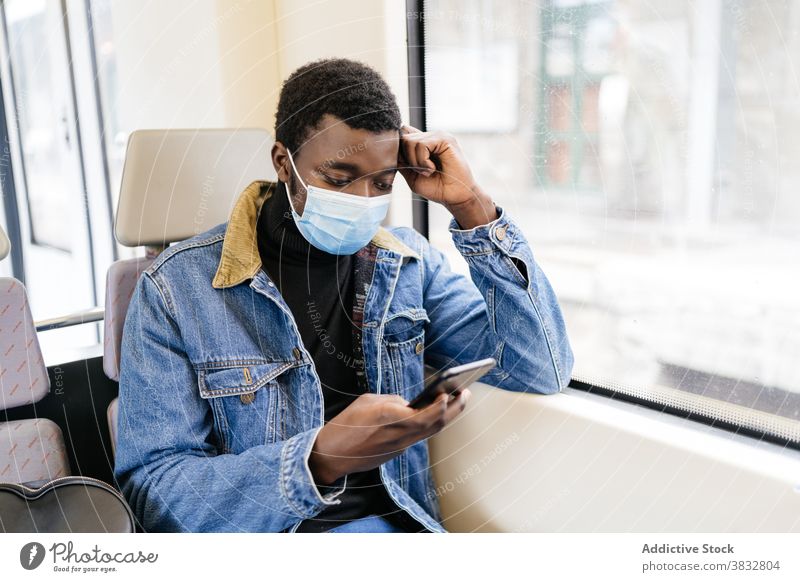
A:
x: 369, y: 524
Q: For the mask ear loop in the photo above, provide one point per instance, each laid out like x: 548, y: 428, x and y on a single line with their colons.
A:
x: 296, y: 173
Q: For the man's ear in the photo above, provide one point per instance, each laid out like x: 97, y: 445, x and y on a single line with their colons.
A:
x: 280, y: 161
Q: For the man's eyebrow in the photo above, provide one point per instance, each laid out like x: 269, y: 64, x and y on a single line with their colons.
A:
x: 354, y: 168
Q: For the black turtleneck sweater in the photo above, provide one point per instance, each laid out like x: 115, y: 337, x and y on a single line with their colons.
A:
x: 318, y: 288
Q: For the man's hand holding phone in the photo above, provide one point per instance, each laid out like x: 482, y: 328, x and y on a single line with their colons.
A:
x: 374, y: 429
x: 378, y: 427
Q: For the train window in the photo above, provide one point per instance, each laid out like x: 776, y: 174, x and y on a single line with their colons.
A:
x: 38, y: 58
x: 115, y: 136
x: 643, y: 149
x: 44, y: 151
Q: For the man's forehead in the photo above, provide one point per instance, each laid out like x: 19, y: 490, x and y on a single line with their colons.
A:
x: 334, y: 134
x: 356, y: 150
x: 356, y: 144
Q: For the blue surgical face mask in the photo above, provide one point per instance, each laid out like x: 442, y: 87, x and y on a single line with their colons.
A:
x: 335, y: 222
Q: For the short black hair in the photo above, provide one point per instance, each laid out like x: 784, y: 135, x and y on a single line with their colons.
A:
x: 347, y: 89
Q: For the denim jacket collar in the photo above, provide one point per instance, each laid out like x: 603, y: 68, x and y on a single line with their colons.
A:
x: 240, y: 258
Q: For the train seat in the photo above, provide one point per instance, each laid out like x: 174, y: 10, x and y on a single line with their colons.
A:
x: 32, y: 451
x: 176, y: 183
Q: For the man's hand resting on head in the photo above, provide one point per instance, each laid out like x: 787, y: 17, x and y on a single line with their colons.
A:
x: 374, y: 429
x: 435, y: 168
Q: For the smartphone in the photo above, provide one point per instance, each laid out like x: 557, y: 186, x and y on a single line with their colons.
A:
x: 452, y: 380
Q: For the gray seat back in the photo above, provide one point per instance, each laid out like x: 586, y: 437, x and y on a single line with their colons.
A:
x: 31, y: 449
x: 176, y: 183
x: 120, y: 282
x: 23, y: 376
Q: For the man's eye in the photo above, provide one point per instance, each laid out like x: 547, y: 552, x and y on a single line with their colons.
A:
x: 383, y: 186
x: 337, y: 182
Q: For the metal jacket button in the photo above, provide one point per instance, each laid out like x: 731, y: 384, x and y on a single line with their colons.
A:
x: 248, y: 397
x: 419, y: 347
x: 500, y: 233
x: 296, y: 353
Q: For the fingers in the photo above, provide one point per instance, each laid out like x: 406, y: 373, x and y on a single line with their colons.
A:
x: 456, y: 405
x: 437, y: 415
x: 429, y: 416
x: 434, y: 416
x: 453, y: 407
x: 409, y: 153
x: 415, y: 151
x: 423, y: 155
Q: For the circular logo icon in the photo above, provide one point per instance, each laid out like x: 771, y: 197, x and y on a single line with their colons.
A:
x: 31, y: 555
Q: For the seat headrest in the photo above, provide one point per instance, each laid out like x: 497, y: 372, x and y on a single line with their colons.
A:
x: 5, y: 246
x: 177, y: 183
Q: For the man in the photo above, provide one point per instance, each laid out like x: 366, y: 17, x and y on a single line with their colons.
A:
x: 267, y: 363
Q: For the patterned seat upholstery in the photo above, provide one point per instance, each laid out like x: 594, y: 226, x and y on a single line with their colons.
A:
x: 120, y: 283
x: 30, y: 450
x: 23, y: 377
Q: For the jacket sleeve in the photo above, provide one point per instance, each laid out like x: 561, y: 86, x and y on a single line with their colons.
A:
x: 166, y: 464
x: 508, y: 310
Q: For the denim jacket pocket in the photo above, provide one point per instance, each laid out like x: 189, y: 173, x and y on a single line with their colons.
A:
x: 404, y: 345
x: 404, y: 325
x: 247, y: 401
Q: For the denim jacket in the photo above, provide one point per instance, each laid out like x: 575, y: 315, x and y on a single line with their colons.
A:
x: 219, y: 401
